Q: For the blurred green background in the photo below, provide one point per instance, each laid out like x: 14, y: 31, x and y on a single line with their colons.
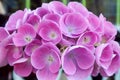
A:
x: 107, y: 7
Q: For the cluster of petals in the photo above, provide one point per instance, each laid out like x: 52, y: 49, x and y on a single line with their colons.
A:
x: 55, y: 36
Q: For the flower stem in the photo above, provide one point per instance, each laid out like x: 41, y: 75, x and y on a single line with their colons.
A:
x: 44, y: 1
x: 84, y: 2
x: 118, y: 13
x: 27, y: 4
x: 112, y: 77
x: 59, y: 75
x: 64, y: 1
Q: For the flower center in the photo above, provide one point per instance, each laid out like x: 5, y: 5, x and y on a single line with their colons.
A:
x: 50, y: 59
x: 28, y: 38
x: 86, y: 40
x: 70, y: 29
x: 53, y: 35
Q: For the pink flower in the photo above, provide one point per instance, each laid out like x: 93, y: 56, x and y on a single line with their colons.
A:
x: 32, y: 47
x: 109, y: 31
x: 7, y: 39
x: 78, y: 8
x: 45, y: 5
x: 96, y: 23
x: 88, y: 38
x: 47, y: 60
x: 53, y: 17
x: 14, y: 53
x: 67, y: 41
x: 34, y: 20
x: 50, y: 31
x: 77, y: 62
x: 26, y: 16
x: 24, y: 36
x: 73, y: 24
x: 40, y: 40
x: 108, y: 58
x: 23, y: 67
x: 58, y: 7
x: 3, y: 34
x: 41, y: 11
x: 14, y: 20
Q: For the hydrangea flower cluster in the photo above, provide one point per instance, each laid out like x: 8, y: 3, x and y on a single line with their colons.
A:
x: 56, y: 36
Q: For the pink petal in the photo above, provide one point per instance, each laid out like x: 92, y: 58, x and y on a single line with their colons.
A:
x: 114, y: 67
x: 73, y: 24
x: 21, y: 60
x: 68, y: 64
x: 45, y: 5
x: 105, y: 64
x: 78, y: 7
x: 109, y: 31
x: 30, y: 48
x: 27, y: 29
x: 12, y: 21
x: 80, y: 74
x: 98, y: 52
x: 4, y: 50
x: 85, y: 60
x: 45, y: 74
x: 50, y: 31
x: 102, y: 18
x: 88, y: 38
x: 14, y: 54
x: 52, y: 47
x: 91, y: 48
x: 55, y: 65
x: 58, y: 7
x: 3, y: 56
x: 53, y: 17
x: 34, y: 20
x: 94, y: 22
x: 104, y: 55
x: 19, y: 40
x: 7, y: 41
x: 41, y: 11
x: 23, y: 69
x: 46, y: 56
x: 115, y: 46
x: 24, y: 36
x: 38, y: 57
x: 28, y: 12
x: 67, y: 41
x: 100, y: 28
x: 3, y: 34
